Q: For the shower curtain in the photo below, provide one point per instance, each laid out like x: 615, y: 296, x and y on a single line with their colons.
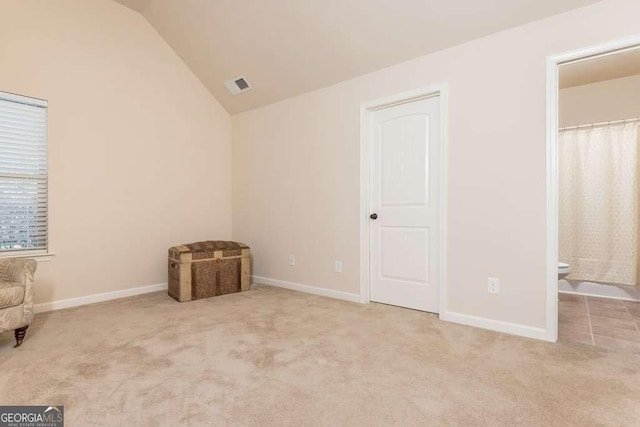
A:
x: 598, y: 203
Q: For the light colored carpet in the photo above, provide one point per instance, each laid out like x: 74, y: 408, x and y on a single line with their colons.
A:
x: 276, y: 357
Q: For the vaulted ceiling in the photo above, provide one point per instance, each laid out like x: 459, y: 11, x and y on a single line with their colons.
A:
x: 288, y: 47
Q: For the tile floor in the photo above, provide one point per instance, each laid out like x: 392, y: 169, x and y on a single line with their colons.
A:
x: 606, y: 323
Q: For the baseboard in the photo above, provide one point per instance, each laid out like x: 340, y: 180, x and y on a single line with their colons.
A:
x: 91, y: 299
x: 494, y: 325
x: 346, y: 296
x: 464, y: 319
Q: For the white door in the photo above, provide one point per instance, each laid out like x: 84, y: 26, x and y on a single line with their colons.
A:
x: 404, y: 200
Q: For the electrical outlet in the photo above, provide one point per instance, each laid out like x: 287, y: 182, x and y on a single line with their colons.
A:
x: 493, y: 285
x: 338, y: 266
x: 292, y: 260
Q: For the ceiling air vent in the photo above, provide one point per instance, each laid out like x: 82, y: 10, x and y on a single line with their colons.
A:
x: 238, y: 85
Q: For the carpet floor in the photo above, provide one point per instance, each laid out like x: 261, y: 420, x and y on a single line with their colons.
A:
x: 276, y: 357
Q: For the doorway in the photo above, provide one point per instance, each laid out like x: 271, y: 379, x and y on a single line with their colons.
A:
x: 592, y: 195
x: 402, y: 200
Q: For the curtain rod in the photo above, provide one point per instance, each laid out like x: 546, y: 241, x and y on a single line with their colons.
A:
x: 614, y: 122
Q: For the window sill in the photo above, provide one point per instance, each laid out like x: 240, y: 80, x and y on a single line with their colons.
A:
x: 40, y: 257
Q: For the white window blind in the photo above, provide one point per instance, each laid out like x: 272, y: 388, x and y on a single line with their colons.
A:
x: 23, y: 174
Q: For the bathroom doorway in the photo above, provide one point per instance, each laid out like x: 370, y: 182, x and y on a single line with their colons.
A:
x: 596, y: 186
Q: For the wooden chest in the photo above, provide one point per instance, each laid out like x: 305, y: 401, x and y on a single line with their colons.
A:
x: 206, y: 269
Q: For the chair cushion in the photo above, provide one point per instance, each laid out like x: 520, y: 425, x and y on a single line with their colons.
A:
x: 11, y: 294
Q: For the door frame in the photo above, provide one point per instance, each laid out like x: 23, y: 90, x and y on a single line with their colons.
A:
x: 553, y: 64
x: 366, y: 110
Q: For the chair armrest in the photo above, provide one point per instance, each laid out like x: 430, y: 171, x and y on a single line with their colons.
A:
x: 20, y: 270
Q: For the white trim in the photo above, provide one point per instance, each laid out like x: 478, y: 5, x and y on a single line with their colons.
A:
x: 552, y: 167
x: 444, y: 155
x: 91, y: 299
x: 37, y: 255
x: 551, y: 320
x: 364, y: 204
x: 442, y: 91
x: 494, y: 325
x: 346, y: 296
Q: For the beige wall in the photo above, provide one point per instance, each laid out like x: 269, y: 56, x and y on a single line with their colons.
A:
x: 139, y: 151
x: 600, y: 102
x: 296, y: 166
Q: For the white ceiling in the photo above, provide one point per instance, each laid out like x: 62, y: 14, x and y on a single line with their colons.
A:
x: 288, y: 47
x: 608, y: 67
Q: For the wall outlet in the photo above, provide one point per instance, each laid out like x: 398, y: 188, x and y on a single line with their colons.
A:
x: 338, y: 266
x: 292, y: 260
x: 493, y: 285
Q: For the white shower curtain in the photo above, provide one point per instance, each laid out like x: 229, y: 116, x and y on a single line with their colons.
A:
x: 598, y: 203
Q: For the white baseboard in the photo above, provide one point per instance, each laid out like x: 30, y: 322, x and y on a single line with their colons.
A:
x: 90, y: 299
x: 494, y: 325
x: 346, y: 296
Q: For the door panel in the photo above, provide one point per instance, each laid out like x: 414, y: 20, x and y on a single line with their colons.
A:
x: 404, y: 178
x: 413, y: 243
x: 405, y: 173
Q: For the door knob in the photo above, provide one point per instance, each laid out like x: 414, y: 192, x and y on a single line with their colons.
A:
x: 373, y: 216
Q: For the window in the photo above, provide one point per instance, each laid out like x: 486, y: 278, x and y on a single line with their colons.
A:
x: 23, y: 174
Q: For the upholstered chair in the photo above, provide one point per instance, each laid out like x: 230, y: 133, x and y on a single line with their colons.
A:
x: 16, y: 295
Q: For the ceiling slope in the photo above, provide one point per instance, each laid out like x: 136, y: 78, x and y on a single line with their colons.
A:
x: 138, y: 5
x: 288, y: 47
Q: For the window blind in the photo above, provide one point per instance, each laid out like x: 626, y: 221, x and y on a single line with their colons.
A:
x: 23, y: 174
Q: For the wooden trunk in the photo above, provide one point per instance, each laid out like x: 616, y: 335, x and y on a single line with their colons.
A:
x: 206, y: 269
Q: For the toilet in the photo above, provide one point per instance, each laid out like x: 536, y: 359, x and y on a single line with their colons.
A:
x: 564, y: 270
